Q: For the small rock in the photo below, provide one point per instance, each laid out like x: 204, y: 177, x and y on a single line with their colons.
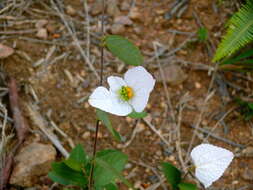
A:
x: 248, y: 152
x: 197, y: 85
x: 32, y: 161
x: 128, y: 166
x: 168, y: 151
x: 70, y: 10
x: 125, y: 6
x: 117, y: 29
x: 51, y: 27
x: 135, y: 14
x: 41, y: 24
x: 86, y: 135
x: 42, y: 33
x: 137, y: 30
x: 147, y: 133
x: 113, y: 9
x: 153, y: 178
x: 137, y: 184
x: 174, y: 75
x: 248, y: 174
x: 140, y: 127
x: 97, y: 7
x: 5, y: 51
x: 159, y: 153
x: 123, y: 20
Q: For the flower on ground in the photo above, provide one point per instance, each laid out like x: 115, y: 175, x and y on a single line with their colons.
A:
x: 125, y: 95
x: 210, y: 162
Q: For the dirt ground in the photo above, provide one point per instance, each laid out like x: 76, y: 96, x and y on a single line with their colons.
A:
x: 52, y: 74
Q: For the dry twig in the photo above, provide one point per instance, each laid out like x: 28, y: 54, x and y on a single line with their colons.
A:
x: 40, y: 122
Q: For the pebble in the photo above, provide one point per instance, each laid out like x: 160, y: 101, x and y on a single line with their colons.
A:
x: 248, y: 174
x: 125, y: 6
x: 248, y: 152
x: 140, y: 127
x: 168, y: 151
x: 113, y: 9
x: 5, y: 51
x: 128, y: 166
x: 97, y: 7
x: 137, y: 184
x: 70, y: 10
x: 159, y: 153
x: 153, y: 179
x: 32, y: 161
x: 148, y: 133
x: 86, y: 135
x: 173, y: 75
x: 41, y: 24
x: 117, y: 28
x: 197, y: 85
x: 129, y: 119
x: 51, y: 27
x: 134, y: 14
x: 42, y: 33
x: 137, y: 30
x: 123, y: 20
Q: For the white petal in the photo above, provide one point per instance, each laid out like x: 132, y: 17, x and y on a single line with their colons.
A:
x: 103, y: 99
x: 115, y: 83
x: 211, y: 162
x: 138, y: 78
x: 139, y: 100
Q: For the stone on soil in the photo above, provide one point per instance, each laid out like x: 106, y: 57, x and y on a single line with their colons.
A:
x: 113, y: 9
x: 42, y: 33
x: 32, y: 161
x: 117, y: 29
x: 96, y: 8
x: 173, y: 75
x: 5, y: 51
x: 248, y: 152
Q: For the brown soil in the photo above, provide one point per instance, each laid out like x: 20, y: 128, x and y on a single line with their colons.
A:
x: 60, y: 96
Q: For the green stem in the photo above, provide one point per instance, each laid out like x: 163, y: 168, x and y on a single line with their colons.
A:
x: 101, y: 82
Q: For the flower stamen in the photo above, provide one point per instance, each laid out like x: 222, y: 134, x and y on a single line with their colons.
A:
x: 126, y: 93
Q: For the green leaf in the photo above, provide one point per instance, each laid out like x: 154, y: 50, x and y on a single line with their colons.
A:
x: 202, y: 34
x: 239, y: 32
x: 240, y: 58
x: 250, y: 105
x: 108, y: 165
x: 64, y: 175
x: 187, y: 186
x: 125, y: 50
x: 137, y: 115
x: 110, y: 186
x: 172, y: 174
x: 77, y: 159
x: 103, y: 117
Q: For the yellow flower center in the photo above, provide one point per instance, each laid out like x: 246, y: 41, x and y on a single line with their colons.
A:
x: 126, y: 93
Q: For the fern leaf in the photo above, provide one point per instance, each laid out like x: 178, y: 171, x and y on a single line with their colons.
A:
x: 239, y: 33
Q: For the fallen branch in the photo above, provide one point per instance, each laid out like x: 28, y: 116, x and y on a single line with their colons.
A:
x: 19, y: 121
x: 21, y: 128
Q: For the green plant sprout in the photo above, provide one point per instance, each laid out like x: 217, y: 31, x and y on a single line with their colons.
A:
x: 246, y: 109
x: 202, y: 34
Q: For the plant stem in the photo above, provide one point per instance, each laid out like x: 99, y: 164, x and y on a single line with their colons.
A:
x: 101, y: 82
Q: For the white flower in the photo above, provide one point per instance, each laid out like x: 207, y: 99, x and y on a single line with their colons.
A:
x: 210, y: 162
x: 125, y: 95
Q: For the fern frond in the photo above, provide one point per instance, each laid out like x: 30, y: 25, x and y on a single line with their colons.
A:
x: 239, y: 33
